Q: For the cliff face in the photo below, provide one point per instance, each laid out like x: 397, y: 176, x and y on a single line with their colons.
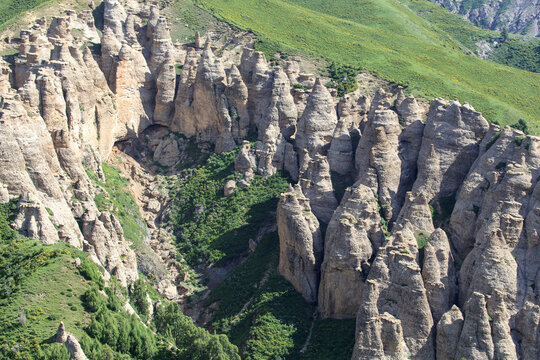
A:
x: 433, y: 249
x: 518, y: 16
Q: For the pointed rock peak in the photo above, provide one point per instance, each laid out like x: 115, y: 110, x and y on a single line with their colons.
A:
x: 125, y: 53
x: 246, y: 54
x: 234, y: 71
x: 61, y: 334
x: 154, y: 11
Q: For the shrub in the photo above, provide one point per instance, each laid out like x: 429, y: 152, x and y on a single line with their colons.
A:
x: 89, y: 270
x: 139, y: 297
x: 269, y: 338
x: 53, y: 352
x: 344, y: 76
x: 521, y: 125
x: 93, y: 301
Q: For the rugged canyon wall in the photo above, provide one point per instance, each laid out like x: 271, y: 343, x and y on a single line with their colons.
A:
x: 518, y: 16
x: 433, y: 248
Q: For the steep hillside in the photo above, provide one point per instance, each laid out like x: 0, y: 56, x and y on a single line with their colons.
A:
x: 386, y: 38
x: 518, y: 16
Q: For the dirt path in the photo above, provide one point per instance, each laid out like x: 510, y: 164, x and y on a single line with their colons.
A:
x: 308, y: 339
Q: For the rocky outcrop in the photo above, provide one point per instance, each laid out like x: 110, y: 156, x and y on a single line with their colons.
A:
x: 520, y: 16
x: 317, y: 124
x: 70, y: 342
x: 450, y: 145
x: 301, y: 245
x: 352, y: 237
x: 448, y: 333
x: 386, y: 328
x: 475, y: 340
x: 317, y: 186
x: 377, y: 160
x: 438, y: 274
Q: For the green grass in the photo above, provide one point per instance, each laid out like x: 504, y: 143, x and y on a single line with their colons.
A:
x: 392, y: 41
x: 277, y: 321
x: 120, y: 202
x: 184, y: 12
x: 331, y: 339
x: 11, y: 9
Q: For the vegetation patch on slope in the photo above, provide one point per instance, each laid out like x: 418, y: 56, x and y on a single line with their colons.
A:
x: 211, y: 227
x: 393, y: 42
x: 42, y: 285
x: 11, y: 9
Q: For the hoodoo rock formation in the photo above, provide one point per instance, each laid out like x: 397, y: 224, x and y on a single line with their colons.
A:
x: 434, y: 248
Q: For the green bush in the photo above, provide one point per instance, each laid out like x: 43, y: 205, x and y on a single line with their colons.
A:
x: 344, y: 76
x: 269, y: 338
x: 93, y: 300
x: 89, y: 270
x: 521, y: 125
x: 54, y: 352
x: 191, y: 342
x: 139, y: 297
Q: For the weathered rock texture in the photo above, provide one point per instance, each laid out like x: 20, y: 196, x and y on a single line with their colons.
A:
x: 520, y: 16
x: 301, y: 243
x: 434, y: 247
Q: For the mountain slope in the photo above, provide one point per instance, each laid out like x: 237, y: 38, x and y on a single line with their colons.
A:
x: 518, y: 16
x: 388, y: 39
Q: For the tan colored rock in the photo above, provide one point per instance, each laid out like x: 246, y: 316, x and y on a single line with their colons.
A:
x: 133, y: 92
x: 500, y: 328
x: 528, y: 328
x: 245, y: 161
x: 184, y: 97
x: 301, y: 244
x: 438, y: 274
x: 318, y: 121
x: 229, y: 187
x: 377, y: 160
x: 70, y: 342
x: 381, y: 336
x: 395, y: 288
x: 448, y: 333
x: 317, y: 187
x: 416, y: 213
x: 340, y: 154
x: 167, y: 152
x: 450, y: 145
x: 490, y: 267
x: 352, y: 236
x: 237, y: 96
x: 475, y: 340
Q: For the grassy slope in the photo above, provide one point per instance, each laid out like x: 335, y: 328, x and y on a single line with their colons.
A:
x: 10, y: 10
x: 53, y: 288
x: 277, y: 320
x: 392, y: 41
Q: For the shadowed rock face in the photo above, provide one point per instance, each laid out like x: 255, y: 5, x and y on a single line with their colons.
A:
x: 301, y: 243
x: 434, y: 248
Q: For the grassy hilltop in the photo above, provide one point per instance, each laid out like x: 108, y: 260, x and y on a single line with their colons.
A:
x: 391, y: 39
